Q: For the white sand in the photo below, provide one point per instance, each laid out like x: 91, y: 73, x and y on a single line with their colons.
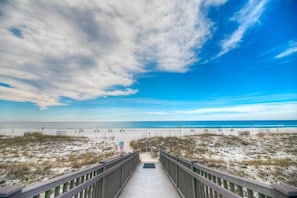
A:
x: 117, y: 135
x: 147, y: 157
x: 128, y: 134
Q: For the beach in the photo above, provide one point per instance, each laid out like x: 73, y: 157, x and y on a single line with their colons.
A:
x: 69, y: 150
x: 125, y: 135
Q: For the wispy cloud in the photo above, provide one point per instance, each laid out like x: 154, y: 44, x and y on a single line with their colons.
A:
x: 290, y: 49
x: 214, y: 2
x: 230, y: 109
x: 260, y: 111
x: 156, y: 113
x: 246, y: 17
x: 85, y: 49
x: 280, y: 110
x: 282, y: 106
x: 283, y: 53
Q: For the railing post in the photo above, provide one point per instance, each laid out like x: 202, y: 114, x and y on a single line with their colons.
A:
x: 130, y: 166
x: 176, y: 171
x: 103, y: 180
x: 11, y: 192
x: 284, y: 191
x: 122, y: 174
x: 194, y: 180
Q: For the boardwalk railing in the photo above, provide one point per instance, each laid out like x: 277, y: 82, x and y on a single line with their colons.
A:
x: 105, y: 180
x: 194, y: 180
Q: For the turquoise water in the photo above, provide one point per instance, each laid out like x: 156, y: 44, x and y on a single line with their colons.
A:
x: 152, y: 124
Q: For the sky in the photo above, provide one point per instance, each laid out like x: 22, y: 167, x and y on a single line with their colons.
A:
x: 148, y: 60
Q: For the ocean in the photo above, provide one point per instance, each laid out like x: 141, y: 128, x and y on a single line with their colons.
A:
x: 151, y: 124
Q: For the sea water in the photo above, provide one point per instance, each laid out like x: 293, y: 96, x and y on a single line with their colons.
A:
x: 152, y: 124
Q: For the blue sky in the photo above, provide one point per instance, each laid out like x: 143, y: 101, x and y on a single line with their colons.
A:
x: 148, y: 60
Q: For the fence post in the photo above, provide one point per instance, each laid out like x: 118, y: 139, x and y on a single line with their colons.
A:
x: 11, y: 192
x: 285, y: 191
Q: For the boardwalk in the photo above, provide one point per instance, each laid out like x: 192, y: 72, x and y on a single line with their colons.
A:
x: 148, y: 183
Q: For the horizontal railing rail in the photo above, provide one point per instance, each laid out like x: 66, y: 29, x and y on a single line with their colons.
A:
x: 105, y: 179
x: 234, y: 183
x: 195, y: 180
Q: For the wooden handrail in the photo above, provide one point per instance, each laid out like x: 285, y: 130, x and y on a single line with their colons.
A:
x: 208, y: 182
x: 91, y: 181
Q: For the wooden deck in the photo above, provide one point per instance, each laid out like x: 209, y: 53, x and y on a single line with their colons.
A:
x: 149, y: 183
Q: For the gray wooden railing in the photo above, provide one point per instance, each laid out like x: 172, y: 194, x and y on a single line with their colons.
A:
x: 194, y: 180
x: 105, y: 179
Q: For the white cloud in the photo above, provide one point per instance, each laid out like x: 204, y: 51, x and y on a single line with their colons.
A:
x: 88, y: 49
x: 246, y: 17
x: 289, y: 50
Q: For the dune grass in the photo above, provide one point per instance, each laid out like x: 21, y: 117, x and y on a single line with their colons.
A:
x: 35, y: 137
x: 272, y: 154
x: 33, y: 157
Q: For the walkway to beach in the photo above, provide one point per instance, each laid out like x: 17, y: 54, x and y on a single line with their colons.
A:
x: 149, y: 182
